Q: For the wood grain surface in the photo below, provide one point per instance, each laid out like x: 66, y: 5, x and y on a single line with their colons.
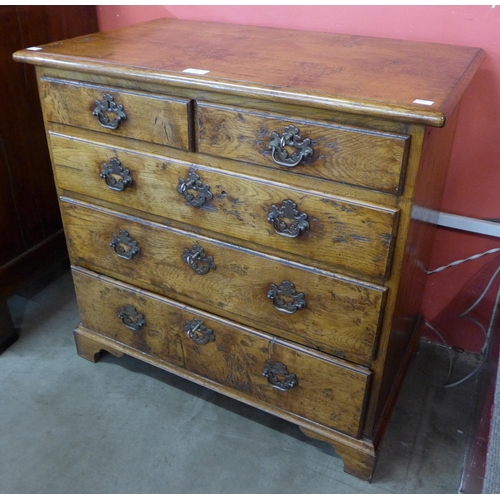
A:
x: 152, y: 118
x: 344, y: 235
x: 362, y: 75
x: 356, y: 156
x: 342, y: 316
x: 328, y: 391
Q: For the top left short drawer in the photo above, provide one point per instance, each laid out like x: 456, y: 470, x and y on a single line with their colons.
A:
x: 127, y: 113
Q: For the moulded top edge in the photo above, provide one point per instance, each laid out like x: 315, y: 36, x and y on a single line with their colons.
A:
x: 417, y: 114
x: 416, y: 82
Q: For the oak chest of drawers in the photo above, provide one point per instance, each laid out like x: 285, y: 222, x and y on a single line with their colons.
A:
x: 252, y: 209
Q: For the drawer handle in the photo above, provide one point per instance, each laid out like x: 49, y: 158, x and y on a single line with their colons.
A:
x: 197, y: 332
x: 124, y: 246
x: 290, y: 138
x: 197, y: 260
x: 131, y: 318
x: 116, y: 177
x: 288, y: 211
x: 107, y: 105
x: 278, y: 376
x: 193, y: 182
x: 286, y: 289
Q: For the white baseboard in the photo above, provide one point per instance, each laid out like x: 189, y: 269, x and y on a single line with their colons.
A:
x: 469, y: 224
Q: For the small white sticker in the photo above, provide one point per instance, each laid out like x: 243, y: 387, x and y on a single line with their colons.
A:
x: 196, y: 71
x: 34, y: 48
x: 423, y: 101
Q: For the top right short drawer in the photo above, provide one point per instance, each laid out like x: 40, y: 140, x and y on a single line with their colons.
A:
x: 352, y: 155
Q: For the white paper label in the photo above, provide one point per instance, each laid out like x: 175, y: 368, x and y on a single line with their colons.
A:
x: 34, y: 48
x: 423, y: 101
x: 196, y: 71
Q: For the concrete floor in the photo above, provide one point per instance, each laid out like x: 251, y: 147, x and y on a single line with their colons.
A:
x: 122, y: 426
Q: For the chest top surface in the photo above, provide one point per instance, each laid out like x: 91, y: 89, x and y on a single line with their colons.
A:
x: 362, y: 75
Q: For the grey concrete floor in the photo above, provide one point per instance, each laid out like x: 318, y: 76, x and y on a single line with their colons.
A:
x: 122, y: 426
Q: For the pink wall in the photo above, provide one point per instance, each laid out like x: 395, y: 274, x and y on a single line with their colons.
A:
x: 473, y: 182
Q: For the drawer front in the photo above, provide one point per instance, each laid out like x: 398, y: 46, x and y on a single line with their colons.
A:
x: 147, y: 330
x: 316, y: 387
x: 355, y: 156
x: 153, y: 118
x: 338, y: 316
x: 338, y: 234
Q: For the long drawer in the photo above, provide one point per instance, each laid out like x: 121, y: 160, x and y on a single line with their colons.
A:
x: 334, y: 314
x: 357, y: 156
x: 297, y: 380
x: 338, y: 234
x: 154, y: 118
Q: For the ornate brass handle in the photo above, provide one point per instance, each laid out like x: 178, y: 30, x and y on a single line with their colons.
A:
x: 197, y: 260
x: 116, y: 177
x: 197, y: 332
x: 288, y: 210
x: 107, y: 105
x: 286, y: 289
x: 193, y: 182
x: 131, y: 318
x: 278, y: 376
x: 124, y: 246
x: 290, y: 138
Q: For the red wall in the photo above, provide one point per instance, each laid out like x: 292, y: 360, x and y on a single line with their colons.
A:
x: 473, y: 183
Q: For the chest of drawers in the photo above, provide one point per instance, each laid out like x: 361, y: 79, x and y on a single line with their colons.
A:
x: 253, y: 209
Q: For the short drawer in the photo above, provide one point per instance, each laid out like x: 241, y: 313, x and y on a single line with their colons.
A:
x: 337, y: 315
x: 137, y: 115
x: 337, y: 234
x: 292, y: 378
x: 351, y: 155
